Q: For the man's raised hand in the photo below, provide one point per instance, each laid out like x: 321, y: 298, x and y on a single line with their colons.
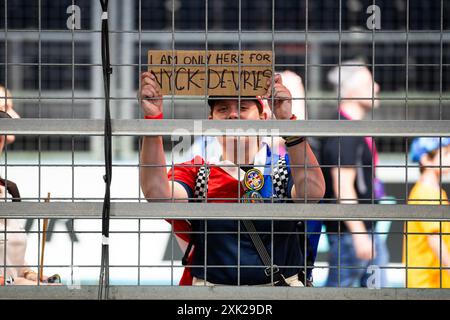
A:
x: 150, y: 95
x: 282, y: 98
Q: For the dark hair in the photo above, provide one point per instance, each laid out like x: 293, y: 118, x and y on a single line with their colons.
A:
x: 430, y: 155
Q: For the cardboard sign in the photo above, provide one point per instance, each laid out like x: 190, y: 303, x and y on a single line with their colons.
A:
x: 195, y: 73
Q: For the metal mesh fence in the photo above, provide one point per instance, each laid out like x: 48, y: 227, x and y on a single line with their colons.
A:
x: 50, y: 62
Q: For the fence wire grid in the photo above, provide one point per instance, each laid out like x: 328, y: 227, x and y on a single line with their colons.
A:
x: 374, y: 193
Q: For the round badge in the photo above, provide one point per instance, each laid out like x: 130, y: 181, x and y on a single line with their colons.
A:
x: 254, y: 179
x: 252, y: 197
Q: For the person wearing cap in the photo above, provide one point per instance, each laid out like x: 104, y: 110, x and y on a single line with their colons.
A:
x: 426, y: 250
x: 211, y: 148
x: 349, y: 168
x: 232, y: 258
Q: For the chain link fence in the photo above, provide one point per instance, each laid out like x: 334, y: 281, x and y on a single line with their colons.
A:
x: 50, y: 64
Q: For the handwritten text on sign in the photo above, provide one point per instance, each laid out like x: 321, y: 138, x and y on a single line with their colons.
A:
x: 182, y: 72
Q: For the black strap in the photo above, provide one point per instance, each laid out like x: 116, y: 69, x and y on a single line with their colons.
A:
x: 271, y: 269
x: 184, y: 260
x: 279, y: 181
x: 307, y: 281
x: 12, y: 189
x: 280, y: 186
x: 103, y: 292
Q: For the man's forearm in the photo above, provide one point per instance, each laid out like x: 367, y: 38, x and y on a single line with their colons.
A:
x: 348, y: 196
x: 345, y: 193
x: 152, y: 170
x: 309, y: 183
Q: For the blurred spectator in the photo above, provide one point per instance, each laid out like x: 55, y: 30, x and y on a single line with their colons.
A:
x: 16, y: 238
x: 6, y: 105
x: 294, y: 83
x: 349, y: 181
x: 424, y: 238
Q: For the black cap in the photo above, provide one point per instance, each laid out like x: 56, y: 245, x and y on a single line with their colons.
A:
x: 213, y: 99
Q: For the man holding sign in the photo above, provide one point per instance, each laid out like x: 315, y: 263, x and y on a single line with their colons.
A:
x: 243, y: 174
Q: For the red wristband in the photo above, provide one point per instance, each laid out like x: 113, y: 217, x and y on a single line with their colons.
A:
x: 157, y: 117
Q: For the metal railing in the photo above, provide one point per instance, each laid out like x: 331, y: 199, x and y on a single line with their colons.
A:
x: 73, y: 207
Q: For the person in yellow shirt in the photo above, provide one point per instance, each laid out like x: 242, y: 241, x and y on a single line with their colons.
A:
x: 426, y: 248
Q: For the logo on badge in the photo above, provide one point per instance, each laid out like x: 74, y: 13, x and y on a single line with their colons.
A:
x: 254, y: 179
